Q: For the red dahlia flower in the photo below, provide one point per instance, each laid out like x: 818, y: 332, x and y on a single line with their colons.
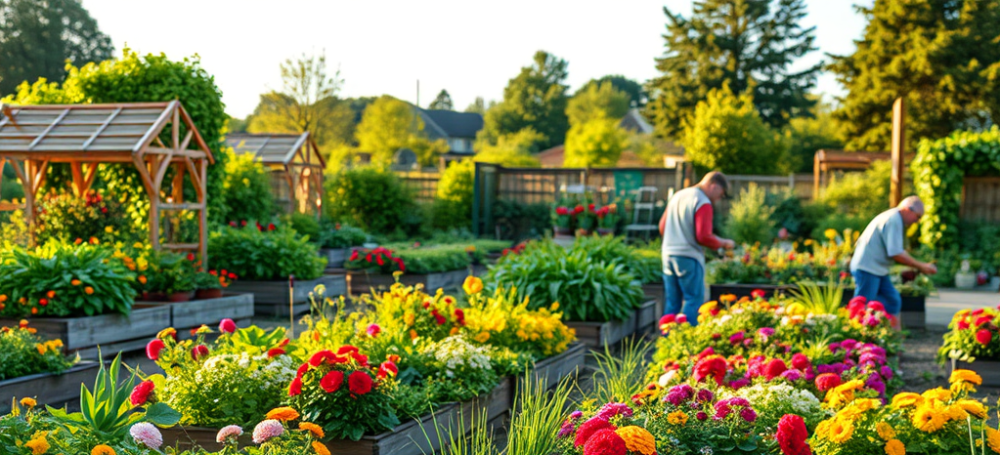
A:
x: 199, y: 351
x: 792, y: 435
x: 713, y: 367
x: 295, y: 388
x: 153, y: 349
x: 605, y: 442
x: 359, y: 383
x: 331, y: 381
x: 227, y: 326
x: 984, y: 336
x: 588, y: 428
x: 141, y: 392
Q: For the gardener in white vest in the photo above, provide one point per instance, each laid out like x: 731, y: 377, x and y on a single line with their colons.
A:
x: 881, y: 246
x: 686, y: 227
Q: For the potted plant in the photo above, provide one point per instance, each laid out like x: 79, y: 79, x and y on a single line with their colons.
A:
x: 965, y: 278
x: 586, y: 219
x: 607, y: 219
x: 173, y: 277
x: 209, y: 285
x: 562, y: 219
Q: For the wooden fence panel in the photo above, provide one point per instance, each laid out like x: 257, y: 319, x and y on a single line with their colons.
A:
x: 981, y: 199
x: 423, y: 184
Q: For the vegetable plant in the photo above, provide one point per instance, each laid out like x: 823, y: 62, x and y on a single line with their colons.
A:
x: 256, y: 254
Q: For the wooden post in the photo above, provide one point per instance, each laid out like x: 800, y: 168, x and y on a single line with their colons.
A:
x: 816, y: 172
x: 898, y: 149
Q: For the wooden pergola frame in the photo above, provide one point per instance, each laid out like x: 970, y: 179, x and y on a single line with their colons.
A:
x: 826, y: 161
x: 295, y: 156
x: 31, y: 137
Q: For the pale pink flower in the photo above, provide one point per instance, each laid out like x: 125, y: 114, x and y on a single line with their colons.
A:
x: 147, y: 434
x: 266, y: 430
x: 231, y: 431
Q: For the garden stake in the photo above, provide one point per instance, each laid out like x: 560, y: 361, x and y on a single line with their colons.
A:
x: 291, y: 304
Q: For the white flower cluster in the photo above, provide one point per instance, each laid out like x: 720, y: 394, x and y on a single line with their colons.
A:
x: 268, y: 373
x: 455, y: 353
x: 770, y: 395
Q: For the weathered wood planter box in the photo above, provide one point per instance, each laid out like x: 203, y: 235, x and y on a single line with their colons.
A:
x: 49, y: 388
x: 988, y: 369
x: 194, y: 313
x: 113, y: 332
x: 271, y: 297
x: 647, y: 317
x: 412, y: 437
x: 551, y: 370
x: 596, y: 335
x: 363, y: 282
x: 335, y: 257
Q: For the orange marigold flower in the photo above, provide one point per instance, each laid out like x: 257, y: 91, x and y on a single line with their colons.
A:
x: 88, y: 290
x: 76, y: 282
x: 320, y: 448
x: 283, y: 413
x: 102, y: 449
x: 316, y: 430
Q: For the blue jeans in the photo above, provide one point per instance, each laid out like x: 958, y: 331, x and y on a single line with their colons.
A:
x: 684, y: 279
x: 879, y: 289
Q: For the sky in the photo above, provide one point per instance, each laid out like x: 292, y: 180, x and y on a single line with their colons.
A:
x: 469, y: 48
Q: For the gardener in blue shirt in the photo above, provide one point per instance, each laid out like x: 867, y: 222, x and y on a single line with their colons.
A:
x: 881, y: 246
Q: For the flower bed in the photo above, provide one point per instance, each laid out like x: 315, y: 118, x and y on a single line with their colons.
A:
x: 31, y: 366
x: 973, y: 343
x: 194, y: 313
x: 113, y: 332
x: 272, y: 297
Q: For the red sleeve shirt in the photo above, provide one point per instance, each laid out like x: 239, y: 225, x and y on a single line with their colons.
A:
x: 703, y: 228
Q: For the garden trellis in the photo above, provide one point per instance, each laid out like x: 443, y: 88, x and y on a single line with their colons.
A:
x: 294, y: 162
x: 152, y: 136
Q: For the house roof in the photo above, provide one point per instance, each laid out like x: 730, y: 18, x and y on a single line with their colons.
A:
x: 635, y: 122
x: 451, y: 124
x: 91, y: 132
x: 272, y: 148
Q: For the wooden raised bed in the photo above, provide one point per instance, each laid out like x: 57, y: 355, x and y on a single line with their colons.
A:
x: 49, y: 388
x: 596, y: 335
x: 113, y: 332
x: 335, y: 257
x: 647, y: 317
x: 194, y: 313
x: 362, y: 281
x: 988, y: 369
x: 271, y: 297
x: 549, y: 371
x: 406, y: 439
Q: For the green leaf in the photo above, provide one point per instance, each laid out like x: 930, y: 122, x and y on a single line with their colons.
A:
x: 162, y: 415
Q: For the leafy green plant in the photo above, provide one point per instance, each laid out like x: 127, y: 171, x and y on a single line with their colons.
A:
x: 336, y: 235
x: 750, y: 218
x: 66, y: 217
x: 453, y: 202
x: 23, y: 352
x: 60, y: 279
x: 254, y: 254
x: 586, y: 289
x: 305, y: 224
x: 372, y: 199
x: 170, y: 273
x: 246, y: 188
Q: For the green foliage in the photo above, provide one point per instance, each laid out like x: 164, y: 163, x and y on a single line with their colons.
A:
x: 442, y: 101
x: 37, y: 39
x: 595, y: 143
x: 597, y: 101
x: 587, y: 290
x: 371, y: 199
x: 66, y: 217
x: 23, y: 353
x: 453, y: 204
x: 636, y: 93
x: 750, y: 218
x: 940, y: 55
x: 939, y: 171
x: 47, y: 273
x: 342, y: 236
x: 520, y: 220
x: 11, y: 187
x: 726, y: 133
x: 511, y: 149
x: 817, y: 298
x: 253, y: 254
x: 305, y: 225
x: 789, y: 213
x: 246, y: 189
x: 807, y: 135
x: 610, y: 249
x: 537, y: 98
x: 388, y: 125
x: 864, y: 195
x: 747, y: 45
x: 618, y: 373
x: 170, y: 273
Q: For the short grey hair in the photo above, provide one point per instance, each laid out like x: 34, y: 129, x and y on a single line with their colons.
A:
x: 913, y: 203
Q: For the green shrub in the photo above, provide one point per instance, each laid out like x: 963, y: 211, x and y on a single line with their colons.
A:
x: 11, y: 187
x: 170, y: 273
x: 587, y: 290
x: 336, y: 235
x: 750, y: 218
x: 304, y: 224
x: 246, y: 188
x: 23, y: 353
x: 453, y: 204
x: 253, y: 254
x: 66, y: 217
x: 415, y: 260
x: 372, y: 199
x: 61, y: 279
x: 789, y: 213
x: 518, y: 220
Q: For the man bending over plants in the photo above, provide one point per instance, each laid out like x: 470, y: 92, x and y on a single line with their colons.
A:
x: 879, y: 247
x: 686, y: 227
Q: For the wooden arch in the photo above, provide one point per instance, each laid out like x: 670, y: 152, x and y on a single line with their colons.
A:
x: 295, y: 158
x: 31, y: 137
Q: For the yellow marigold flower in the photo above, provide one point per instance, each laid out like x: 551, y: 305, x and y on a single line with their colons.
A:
x: 638, y: 439
x: 413, y: 334
x: 727, y: 298
x: 102, y: 449
x: 28, y: 402
x: 929, y: 417
x: 993, y: 439
x: 320, y: 449
x: 41, y: 349
x: 472, y: 285
x: 830, y: 233
x: 409, y: 318
x: 840, y: 431
x: 940, y: 394
x: 316, y: 430
x: 137, y: 245
x: 283, y: 413
x: 708, y: 307
x: 165, y: 333
x: 677, y: 418
x: 885, y: 431
x: 905, y: 399
x: 955, y: 412
x: 895, y: 447
x: 973, y: 407
x: 965, y: 376
x: 109, y: 229
x: 554, y: 306
x: 482, y: 337
x: 38, y: 445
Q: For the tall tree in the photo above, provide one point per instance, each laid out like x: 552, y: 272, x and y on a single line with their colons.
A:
x: 442, y: 101
x: 37, y: 37
x: 597, y: 142
x: 537, y: 98
x: 745, y: 43
x: 942, y: 55
x: 635, y: 91
x: 388, y: 125
x: 478, y: 106
x: 807, y: 135
x: 597, y: 100
x: 308, y: 102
